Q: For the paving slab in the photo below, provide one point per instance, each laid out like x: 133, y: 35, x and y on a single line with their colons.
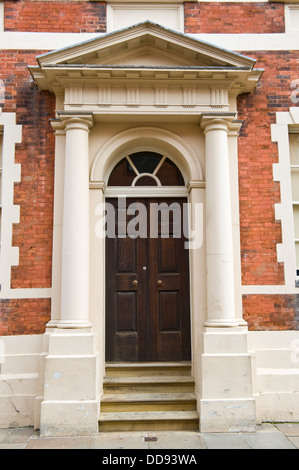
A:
x: 60, y: 443
x: 224, y: 441
x: 288, y: 429
x: 294, y: 441
x: 268, y: 440
x: 12, y: 446
x: 16, y: 436
x: 266, y: 427
x: 176, y: 440
x: 123, y: 440
x: 149, y: 440
x: 268, y: 436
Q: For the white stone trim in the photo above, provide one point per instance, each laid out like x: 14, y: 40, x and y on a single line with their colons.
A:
x: 291, y: 18
x: 284, y: 210
x: 132, y: 192
x: 11, y: 173
x: 12, y: 134
x: 38, y: 293
x: 236, y: 42
x: 266, y: 290
x: 121, y: 15
x: 1, y: 16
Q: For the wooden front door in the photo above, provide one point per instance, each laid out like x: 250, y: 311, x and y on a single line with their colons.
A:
x: 147, y: 288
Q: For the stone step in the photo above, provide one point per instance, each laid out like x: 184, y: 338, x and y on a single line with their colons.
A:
x: 148, y: 396
x: 147, y: 369
x: 144, y: 421
x: 148, y: 402
x: 144, y: 384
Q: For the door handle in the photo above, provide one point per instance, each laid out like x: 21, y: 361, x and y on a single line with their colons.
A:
x: 135, y: 283
x: 159, y: 283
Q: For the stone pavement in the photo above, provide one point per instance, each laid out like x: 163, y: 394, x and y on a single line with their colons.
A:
x: 268, y: 436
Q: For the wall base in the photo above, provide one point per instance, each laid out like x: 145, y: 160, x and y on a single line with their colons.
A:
x: 69, y: 418
x: 227, y: 415
x: 71, y: 399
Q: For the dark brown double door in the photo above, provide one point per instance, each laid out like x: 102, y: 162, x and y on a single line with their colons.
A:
x: 147, y: 287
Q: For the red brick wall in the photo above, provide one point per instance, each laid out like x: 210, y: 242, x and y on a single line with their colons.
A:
x: 34, y: 194
x: 260, y: 232
x: 24, y: 316
x: 205, y: 17
x: 271, y: 312
x: 55, y: 16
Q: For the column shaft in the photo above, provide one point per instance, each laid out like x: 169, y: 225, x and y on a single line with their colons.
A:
x: 75, y: 238
x: 219, y: 237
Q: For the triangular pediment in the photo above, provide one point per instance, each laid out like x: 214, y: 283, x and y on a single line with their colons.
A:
x: 141, y: 57
x: 145, y: 44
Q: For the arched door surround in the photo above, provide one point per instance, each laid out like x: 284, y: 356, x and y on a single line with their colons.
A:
x: 147, y: 271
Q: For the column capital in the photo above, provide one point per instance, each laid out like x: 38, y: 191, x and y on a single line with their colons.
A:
x: 97, y: 185
x: 216, y: 121
x: 196, y: 184
x: 82, y: 121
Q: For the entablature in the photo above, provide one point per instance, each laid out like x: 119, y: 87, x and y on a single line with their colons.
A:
x: 146, y: 67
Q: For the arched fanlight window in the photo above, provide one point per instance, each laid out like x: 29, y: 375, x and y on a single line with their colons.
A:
x: 146, y: 169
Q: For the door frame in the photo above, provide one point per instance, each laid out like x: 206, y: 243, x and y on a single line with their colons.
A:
x: 189, y: 162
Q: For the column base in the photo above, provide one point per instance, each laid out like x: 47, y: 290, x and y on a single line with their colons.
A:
x: 226, y: 402
x: 69, y: 418
x: 52, y: 324
x: 230, y: 323
x: 73, y: 324
x: 70, y: 404
x: 234, y: 415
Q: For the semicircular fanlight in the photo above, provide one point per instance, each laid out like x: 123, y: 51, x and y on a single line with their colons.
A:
x: 146, y: 169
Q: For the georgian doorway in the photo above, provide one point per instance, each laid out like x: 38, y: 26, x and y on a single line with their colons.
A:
x: 147, y: 265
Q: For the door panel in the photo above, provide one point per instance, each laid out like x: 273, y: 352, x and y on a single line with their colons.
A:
x: 126, y: 314
x: 147, y: 293
x: 125, y: 300
x: 169, y: 283
x: 126, y: 255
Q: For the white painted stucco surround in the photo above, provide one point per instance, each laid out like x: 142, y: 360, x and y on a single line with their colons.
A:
x: 176, y: 96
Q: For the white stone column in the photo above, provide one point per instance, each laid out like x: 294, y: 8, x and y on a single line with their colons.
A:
x: 59, y: 132
x: 75, y: 235
x: 219, y: 230
x: 226, y: 401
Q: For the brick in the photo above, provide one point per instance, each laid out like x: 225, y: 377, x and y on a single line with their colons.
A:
x: 271, y: 312
x: 24, y: 316
x: 230, y: 17
x: 55, y: 16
